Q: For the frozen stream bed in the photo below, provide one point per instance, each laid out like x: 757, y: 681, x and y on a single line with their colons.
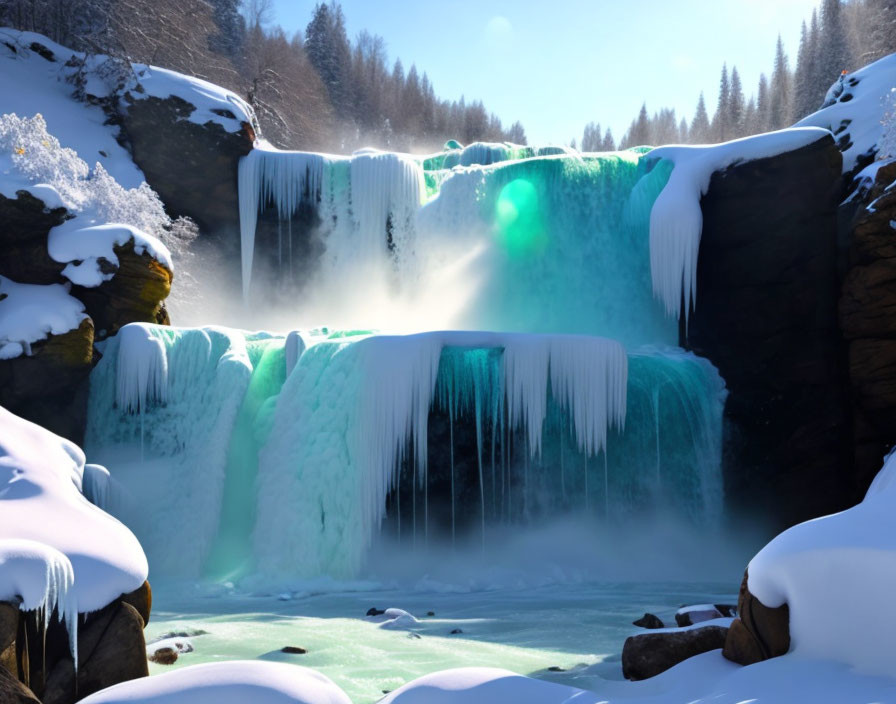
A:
x: 525, y: 630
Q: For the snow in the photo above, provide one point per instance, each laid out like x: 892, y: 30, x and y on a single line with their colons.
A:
x: 296, y: 344
x: 676, y: 220
x: 204, y: 96
x: 836, y: 574
x: 31, y: 312
x: 854, y: 109
x: 96, y: 485
x: 32, y: 85
x: 82, y: 248
x: 484, y: 153
x: 236, y: 682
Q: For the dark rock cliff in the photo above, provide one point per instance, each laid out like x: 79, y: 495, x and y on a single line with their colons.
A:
x: 766, y: 316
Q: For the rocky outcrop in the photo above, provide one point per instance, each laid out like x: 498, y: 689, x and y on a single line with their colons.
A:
x: 14, y: 692
x: 111, y: 649
x: 868, y: 321
x: 193, y: 167
x: 766, y: 316
x: 649, y: 621
x: 759, y: 633
x: 48, y: 386
x: 648, y: 654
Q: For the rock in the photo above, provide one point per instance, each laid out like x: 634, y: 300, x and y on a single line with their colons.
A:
x: 136, y: 293
x: 689, y: 615
x: 140, y: 599
x: 647, y: 654
x: 767, y: 316
x: 9, y: 624
x: 648, y: 620
x: 26, y: 223
x: 373, y: 611
x: 455, y: 632
x: 293, y: 650
x: 192, y: 167
x: 111, y: 649
x: 759, y: 632
x: 163, y: 656
x: 47, y: 387
x: 430, y: 613
x: 555, y: 668
x: 14, y: 692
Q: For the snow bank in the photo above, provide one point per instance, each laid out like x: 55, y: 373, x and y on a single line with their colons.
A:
x: 854, y: 108
x: 236, y: 682
x: 213, y: 103
x: 40, y: 500
x: 81, y: 248
x: 836, y: 573
x: 676, y: 220
x: 30, y: 312
x: 486, y: 685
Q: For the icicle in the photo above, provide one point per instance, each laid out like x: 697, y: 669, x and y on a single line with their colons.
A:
x: 142, y: 368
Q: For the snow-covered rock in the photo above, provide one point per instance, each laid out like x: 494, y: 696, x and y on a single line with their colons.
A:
x: 853, y: 111
x: 395, y: 619
x: 41, y: 476
x: 836, y: 574
x: 30, y: 312
x: 676, y: 220
x: 236, y: 682
x: 83, y: 248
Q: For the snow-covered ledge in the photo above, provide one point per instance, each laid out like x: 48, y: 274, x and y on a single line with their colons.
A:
x: 676, y: 220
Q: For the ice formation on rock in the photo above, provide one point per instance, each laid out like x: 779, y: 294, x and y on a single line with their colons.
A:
x: 676, y: 220
x: 142, y: 368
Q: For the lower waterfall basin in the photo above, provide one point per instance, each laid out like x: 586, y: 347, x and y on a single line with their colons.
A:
x: 529, y: 630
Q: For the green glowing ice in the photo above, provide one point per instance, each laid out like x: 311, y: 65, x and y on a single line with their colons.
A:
x: 518, y: 219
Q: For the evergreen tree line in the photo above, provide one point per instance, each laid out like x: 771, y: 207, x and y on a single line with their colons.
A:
x: 841, y: 36
x: 317, y: 91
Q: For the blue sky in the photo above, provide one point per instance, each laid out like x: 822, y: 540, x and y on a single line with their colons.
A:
x: 558, y: 64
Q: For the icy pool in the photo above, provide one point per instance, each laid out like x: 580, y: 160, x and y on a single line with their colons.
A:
x: 526, y: 630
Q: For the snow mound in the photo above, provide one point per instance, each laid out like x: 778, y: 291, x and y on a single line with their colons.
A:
x: 854, y: 108
x: 836, y: 573
x: 486, y: 685
x: 236, y: 682
x: 676, y: 220
x: 31, y: 312
x: 82, y: 248
x: 41, y: 475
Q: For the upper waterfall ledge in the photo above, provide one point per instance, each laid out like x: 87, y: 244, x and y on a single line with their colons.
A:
x: 676, y: 220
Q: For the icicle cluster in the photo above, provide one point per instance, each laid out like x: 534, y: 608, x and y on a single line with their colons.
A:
x: 142, y: 368
x: 587, y: 376
x: 384, y: 192
x: 42, y: 577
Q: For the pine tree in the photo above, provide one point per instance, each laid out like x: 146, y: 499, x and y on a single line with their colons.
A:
x: 780, y: 98
x: 591, y: 138
x: 835, y: 50
x: 736, y: 106
x: 750, y: 121
x: 639, y: 133
x: 700, y: 128
x: 328, y: 50
x: 609, y: 144
x: 516, y: 134
x: 230, y: 25
x: 802, y: 88
x: 763, y: 106
x: 683, y: 131
x: 720, y: 121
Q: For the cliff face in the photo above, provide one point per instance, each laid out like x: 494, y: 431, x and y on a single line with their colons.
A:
x: 868, y: 320
x: 767, y: 317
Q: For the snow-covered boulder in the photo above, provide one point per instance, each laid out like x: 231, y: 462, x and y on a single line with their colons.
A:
x: 236, y: 682
x: 836, y: 575
x: 646, y: 655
